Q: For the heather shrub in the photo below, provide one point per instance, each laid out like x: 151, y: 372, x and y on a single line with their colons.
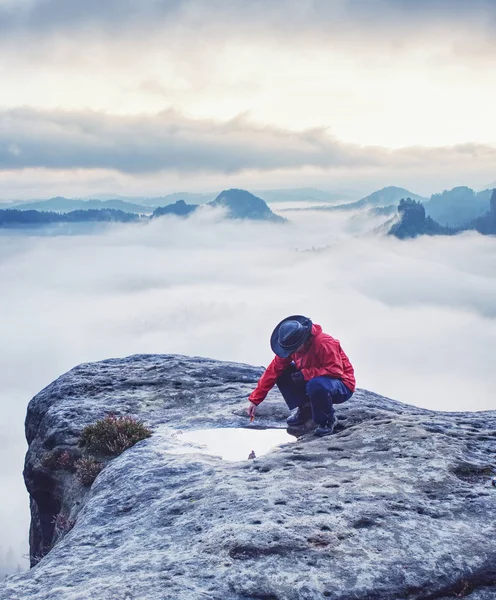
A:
x: 56, y: 460
x: 87, y: 469
x: 66, y: 461
x: 112, y: 435
x: 34, y: 559
x: 61, y: 526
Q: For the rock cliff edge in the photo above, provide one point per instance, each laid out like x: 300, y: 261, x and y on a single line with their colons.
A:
x: 396, y: 505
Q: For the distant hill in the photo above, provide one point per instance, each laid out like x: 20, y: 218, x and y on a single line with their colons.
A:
x: 240, y: 204
x: 127, y: 204
x: 146, y: 204
x: 190, y: 198
x: 276, y: 195
x: 22, y: 218
x: 458, y: 206
x: 302, y: 195
x: 179, y: 208
x: 65, y: 205
x: 386, y: 198
x: 244, y: 205
x: 156, y: 201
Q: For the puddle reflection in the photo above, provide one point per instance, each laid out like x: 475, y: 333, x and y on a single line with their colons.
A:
x: 232, y: 444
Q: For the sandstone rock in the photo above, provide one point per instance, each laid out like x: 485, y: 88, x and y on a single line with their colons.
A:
x: 398, y: 504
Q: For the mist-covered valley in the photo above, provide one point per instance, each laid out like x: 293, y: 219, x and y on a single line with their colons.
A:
x: 416, y: 317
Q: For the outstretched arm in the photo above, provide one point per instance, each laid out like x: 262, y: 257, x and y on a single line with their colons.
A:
x: 269, y: 378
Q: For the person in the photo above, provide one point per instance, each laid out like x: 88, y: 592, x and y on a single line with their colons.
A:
x: 311, y: 371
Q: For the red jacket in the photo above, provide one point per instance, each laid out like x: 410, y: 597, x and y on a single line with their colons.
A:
x: 324, y: 357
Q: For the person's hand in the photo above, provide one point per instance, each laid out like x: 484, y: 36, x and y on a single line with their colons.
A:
x: 251, y: 410
x: 297, y: 377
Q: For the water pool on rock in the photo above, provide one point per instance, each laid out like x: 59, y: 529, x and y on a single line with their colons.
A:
x: 232, y: 443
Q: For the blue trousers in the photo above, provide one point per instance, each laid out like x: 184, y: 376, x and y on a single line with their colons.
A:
x: 321, y: 392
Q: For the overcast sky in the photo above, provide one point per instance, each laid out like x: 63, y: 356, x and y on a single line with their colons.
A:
x: 152, y: 96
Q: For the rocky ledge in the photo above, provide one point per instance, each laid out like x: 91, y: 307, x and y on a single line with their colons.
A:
x: 397, y: 504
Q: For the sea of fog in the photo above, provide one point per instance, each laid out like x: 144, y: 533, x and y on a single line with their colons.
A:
x: 417, y: 318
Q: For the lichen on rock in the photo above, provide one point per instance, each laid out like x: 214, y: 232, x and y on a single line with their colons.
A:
x: 398, y: 503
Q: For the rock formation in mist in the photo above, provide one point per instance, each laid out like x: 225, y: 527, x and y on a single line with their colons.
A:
x: 458, y: 207
x: 455, y: 209
x: 396, y: 504
x: 413, y: 221
x: 487, y: 223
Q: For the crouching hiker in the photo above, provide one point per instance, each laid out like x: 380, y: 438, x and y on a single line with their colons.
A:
x: 311, y: 371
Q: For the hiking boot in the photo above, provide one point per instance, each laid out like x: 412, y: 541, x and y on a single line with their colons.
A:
x: 301, y: 416
x: 326, y: 428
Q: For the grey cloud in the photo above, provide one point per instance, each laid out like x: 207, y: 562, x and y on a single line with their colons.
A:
x: 446, y: 8
x: 64, y: 140
x: 47, y: 16
x: 168, y: 141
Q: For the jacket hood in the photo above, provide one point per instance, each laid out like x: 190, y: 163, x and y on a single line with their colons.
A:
x: 316, y: 329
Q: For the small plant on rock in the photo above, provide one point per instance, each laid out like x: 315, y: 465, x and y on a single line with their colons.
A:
x: 57, y: 460
x: 62, y: 526
x: 112, y: 435
x: 34, y: 559
x: 66, y: 461
x: 87, y: 469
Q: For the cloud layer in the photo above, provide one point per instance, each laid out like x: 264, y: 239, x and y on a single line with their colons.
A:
x: 417, y: 318
x: 168, y: 141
